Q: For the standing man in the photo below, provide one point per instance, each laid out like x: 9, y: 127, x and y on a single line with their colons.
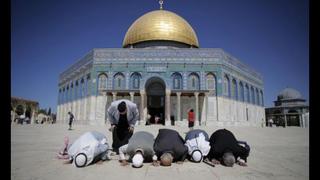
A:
x: 169, y: 146
x: 139, y: 149
x: 191, y: 119
x: 71, y: 118
x: 227, y: 150
x: 270, y: 122
x: 197, y: 141
x: 123, y: 115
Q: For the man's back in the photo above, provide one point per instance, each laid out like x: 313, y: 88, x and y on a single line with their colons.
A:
x: 222, y: 141
x: 169, y: 140
x: 141, y: 140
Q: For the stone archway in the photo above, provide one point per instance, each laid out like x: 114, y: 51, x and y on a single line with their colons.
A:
x: 28, y: 114
x: 293, y: 118
x: 155, y: 91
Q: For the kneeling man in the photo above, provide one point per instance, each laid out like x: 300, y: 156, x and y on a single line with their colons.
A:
x: 139, y: 149
x: 169, y: 146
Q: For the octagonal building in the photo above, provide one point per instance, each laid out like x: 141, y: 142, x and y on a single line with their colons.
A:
x: 162, y: 69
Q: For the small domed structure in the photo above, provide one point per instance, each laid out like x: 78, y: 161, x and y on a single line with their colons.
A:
x: 289, y: 93
x: 289, y: 109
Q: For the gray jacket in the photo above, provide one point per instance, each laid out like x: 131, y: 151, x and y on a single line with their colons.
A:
x: 132, y: 112
x: 142, y: 141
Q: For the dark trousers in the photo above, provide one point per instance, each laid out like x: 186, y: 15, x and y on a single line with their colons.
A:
x: 120, y: 137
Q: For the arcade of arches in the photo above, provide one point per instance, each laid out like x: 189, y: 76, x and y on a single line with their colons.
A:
x: 27, y: 108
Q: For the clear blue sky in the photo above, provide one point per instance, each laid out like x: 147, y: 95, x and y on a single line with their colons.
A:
x: 48, y: 36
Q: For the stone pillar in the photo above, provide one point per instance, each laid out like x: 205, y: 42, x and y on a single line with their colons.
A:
x: 206, y: 108
x: 85, y: 115
x: 93, y: 108
x: 285, y: 120
x: 105, y: 109
x: 142, y: 96
x: 179, y: 106
x: 78, y: 111
x: 32, y: 117
x: 196, y: 94
x: 114, y: 96
x: 167, y: 113
x: 13, y: 114
x: 132, y: 96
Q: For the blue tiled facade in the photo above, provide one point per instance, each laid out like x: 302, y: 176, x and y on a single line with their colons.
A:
x: 231, y: 77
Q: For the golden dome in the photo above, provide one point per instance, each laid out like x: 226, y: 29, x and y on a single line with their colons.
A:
x: 160, y: 25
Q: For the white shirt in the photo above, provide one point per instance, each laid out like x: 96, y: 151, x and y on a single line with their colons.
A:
x: 198, y: 143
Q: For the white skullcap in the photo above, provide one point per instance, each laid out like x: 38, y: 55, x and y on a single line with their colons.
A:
x: 81, y: 160
x: 197, y: 156
x: 137, y: 160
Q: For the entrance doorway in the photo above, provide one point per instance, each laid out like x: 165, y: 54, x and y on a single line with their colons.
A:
x: 155, y: 88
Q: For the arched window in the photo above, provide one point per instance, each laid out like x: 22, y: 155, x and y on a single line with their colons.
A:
x: 63, y: 95
x: 261, y: 96
x: 67, y: 94
x: 211, y: 82
x: 71, y: 92
x: 247, y: 94
x: 226, y: 86
x: 257, y: 97
x: 135, y: 81
x: 234, y: 89
x: 87, y: 85
x: 241, y: 92
x: 193, y: 82
x: 82, y: 90
x: 77, y: 95
x: 252, y: 96
x: 102, y: 83
x: 177, y: 81
x: 59, y: 97
x: 119, y: 81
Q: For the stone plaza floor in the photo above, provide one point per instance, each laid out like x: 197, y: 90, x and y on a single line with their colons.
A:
x: 276, y: 153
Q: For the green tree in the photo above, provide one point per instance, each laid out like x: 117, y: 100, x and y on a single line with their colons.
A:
x: 43, y: 111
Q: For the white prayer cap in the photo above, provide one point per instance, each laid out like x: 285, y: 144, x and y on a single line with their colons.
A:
x: 81, y: 160
x: 196, y: 156
x: 137, y: 160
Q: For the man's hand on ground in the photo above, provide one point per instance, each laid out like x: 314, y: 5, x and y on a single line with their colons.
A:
x: 156, y: 163
x: 179, y: 162
x: 111, y: 128
x: 214, y: 161
x: 242, y: 163
x: 131, y: 129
